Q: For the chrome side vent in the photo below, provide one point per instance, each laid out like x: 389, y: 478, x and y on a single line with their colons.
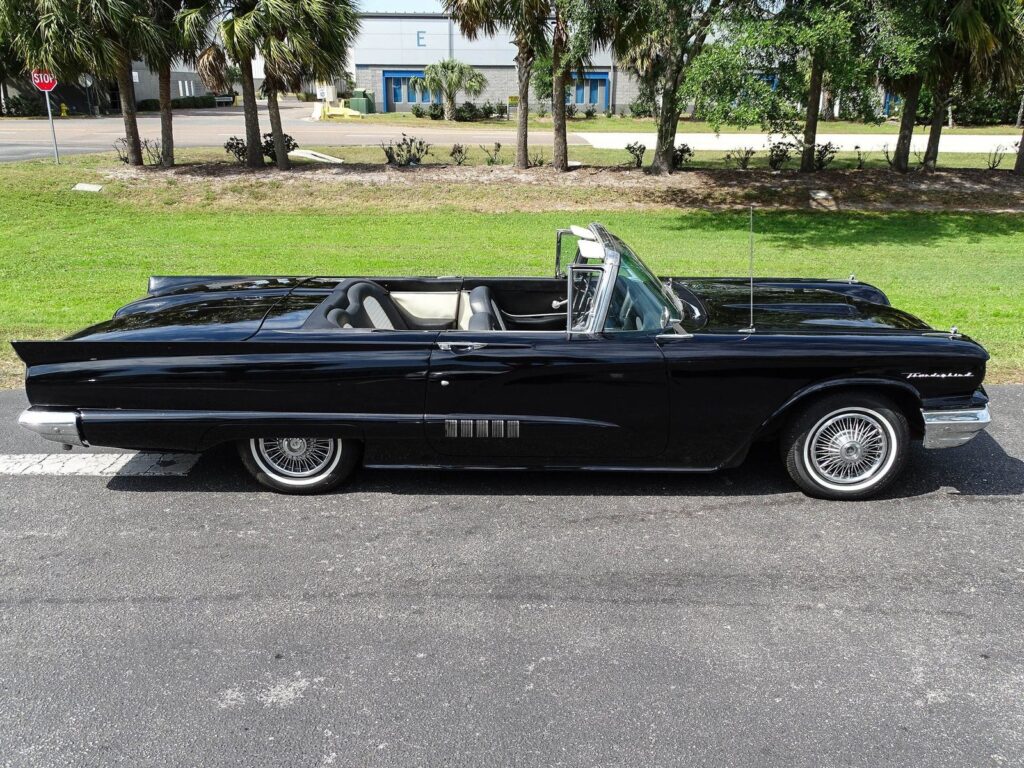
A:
x: 496, y: 428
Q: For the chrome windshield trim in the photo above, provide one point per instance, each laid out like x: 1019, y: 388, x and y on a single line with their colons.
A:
x: 950, y: 428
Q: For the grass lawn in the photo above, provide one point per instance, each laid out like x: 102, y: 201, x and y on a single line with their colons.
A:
x: 68, y: 259
x: 626, y: 124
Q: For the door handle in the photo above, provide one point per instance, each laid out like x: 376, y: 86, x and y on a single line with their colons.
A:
x: 459, y: 346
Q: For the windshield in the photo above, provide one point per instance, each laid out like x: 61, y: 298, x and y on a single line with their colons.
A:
x: 639, y: 302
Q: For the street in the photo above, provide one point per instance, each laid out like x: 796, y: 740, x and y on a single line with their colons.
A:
x: 424, y: 618
x: 25, y: 139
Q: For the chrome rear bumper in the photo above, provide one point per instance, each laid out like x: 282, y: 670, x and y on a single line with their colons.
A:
x: 59, y: 426
x: 948, y: 429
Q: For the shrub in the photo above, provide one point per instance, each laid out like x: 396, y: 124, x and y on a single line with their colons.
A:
x: 194, y: 102
x: 467, y: 112
x: 26, y: 105
x: 995, y: 157
x: 779, y: 154
x: 642, y: 107
x: 637, y: 150
x: 487, y: 110
x: 408, y: 151
x: 862, y: 157
x: 435, y: 111
x: 236, y: 146
x: 570, y: 111
x: 268, y: 145
x: 824, y: 154
x: 418, y: 111
x: 590, y: 113
x: 740, y: 158
x: 459, y: 154
x: 121, y: 147
x: 542, y: 110
x: 151, y: 149
x: 147, y: 105
x: 493, y: 155
x: 681, y: 155
x: 537, y: 157
x: 501, y: 109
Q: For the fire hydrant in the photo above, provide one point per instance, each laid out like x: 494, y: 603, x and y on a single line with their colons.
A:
x: 63, y: 109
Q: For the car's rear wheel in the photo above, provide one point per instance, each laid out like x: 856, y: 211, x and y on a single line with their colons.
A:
x: 846, y: 446
x: 299, y: 464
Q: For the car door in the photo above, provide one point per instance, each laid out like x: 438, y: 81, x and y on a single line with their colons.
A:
x: 544, y: 395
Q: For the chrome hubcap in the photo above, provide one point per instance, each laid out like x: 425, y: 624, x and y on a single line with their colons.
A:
x: 297, y: 456
x: 849, y: 448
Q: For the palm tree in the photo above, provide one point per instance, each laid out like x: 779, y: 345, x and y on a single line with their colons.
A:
x: 980, y: 41
x: 185, y: 27
x: 527, y: 22
x: 448, y: 78
x: 101, y: 37
x: 10, y: 66
x: 301, y: 39
x: 238, y: 34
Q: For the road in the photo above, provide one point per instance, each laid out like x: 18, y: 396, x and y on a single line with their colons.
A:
x: 24, y: 139
x: 472, y: 619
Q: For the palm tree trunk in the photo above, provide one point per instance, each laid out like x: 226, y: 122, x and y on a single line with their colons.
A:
x: 166, y: 119
x: 931, y: 154
x: 1018, y: 167
x: 449, y: 105
x: 560, y: 148
x: 524, y: 66
x: 253, y: 142
x: 126, y: 90
x: 280, y: 151
x: 901, y: 160
x: 811, y: 119
x: 1020, y: 113
x: 5, y: 96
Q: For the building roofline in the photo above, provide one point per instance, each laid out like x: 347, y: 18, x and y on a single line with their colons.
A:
x: 402, y: 15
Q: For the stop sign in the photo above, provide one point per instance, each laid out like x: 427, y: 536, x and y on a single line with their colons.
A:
x: 43, y: 80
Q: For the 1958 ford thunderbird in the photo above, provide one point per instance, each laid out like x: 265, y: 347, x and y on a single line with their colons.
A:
x: 603, y: 366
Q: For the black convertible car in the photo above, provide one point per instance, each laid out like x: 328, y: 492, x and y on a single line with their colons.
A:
x: 604, y: 366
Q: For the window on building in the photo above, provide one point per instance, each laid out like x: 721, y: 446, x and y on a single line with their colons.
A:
x: 396, y: 90
x: 181, y: 88
x: 594, y: 87
x: 579, y: 91
x: 410, y: 92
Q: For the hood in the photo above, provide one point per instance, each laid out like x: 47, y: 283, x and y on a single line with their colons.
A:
x: 791, y: 308
x: 224, y: 309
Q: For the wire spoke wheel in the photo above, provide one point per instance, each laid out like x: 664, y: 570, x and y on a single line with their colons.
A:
x: 849, y: 448
x: 296, y: 458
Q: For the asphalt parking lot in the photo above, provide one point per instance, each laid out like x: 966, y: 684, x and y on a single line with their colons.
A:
x: 515, y: 619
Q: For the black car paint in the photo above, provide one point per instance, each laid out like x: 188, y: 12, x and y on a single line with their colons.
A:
x: 204, y: 361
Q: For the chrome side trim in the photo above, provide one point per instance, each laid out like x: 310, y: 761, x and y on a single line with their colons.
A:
x: 948, y: 429
x: 59, y: 426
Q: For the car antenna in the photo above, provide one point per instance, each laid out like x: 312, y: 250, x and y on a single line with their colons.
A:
x: 751, y: 328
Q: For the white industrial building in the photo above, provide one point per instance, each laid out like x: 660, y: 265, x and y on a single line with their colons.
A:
x: 394, y: 47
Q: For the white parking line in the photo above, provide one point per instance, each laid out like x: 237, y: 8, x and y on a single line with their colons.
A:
x: 98, y: 464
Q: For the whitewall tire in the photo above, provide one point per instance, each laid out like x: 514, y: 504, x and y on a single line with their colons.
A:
x: 300, y: 465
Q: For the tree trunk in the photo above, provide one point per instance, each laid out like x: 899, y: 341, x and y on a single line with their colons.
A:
x: 280, y: 151
x: 449, y: 107
x: 811, y: 120
x: 931, y: 154
x: 1020, y: 113
x: 524, y: 66
x: 1018, y: 167
x: 126, y: 90
x: 901, y: 160
x: 166, y: 119
x: 253, y: 141
x: 560, y: 150
x: 5, y: 96
x: 668, y: 123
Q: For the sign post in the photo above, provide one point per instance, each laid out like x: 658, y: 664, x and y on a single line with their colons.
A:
x: 46, y: 82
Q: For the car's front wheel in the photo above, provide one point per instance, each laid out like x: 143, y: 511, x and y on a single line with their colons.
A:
x: 846, y: 446
x: 299, y: 464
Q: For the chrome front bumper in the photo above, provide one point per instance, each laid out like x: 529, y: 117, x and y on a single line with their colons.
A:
x: 948, y: 429
x: 59, y: 426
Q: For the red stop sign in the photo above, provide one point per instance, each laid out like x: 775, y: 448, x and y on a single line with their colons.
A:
x: 43, y: 80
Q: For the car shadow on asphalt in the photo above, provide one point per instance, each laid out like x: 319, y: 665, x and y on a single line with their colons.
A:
x: 980, y: 468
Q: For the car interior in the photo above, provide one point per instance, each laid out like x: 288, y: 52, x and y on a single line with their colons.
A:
x: 470, y: 304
